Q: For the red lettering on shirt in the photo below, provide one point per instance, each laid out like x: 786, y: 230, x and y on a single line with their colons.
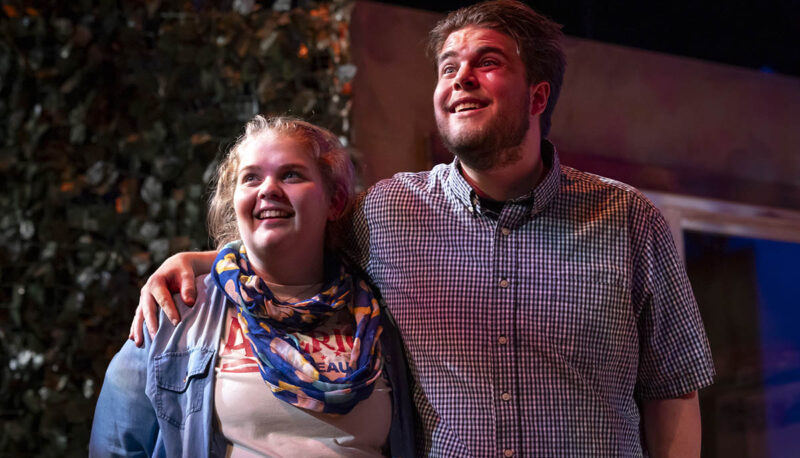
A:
x: 241, y: 358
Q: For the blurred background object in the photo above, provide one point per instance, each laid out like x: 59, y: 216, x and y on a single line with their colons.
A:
x: 113, y: 113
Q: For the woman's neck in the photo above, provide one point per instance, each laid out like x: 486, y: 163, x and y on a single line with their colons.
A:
x: 288, y: 269
x: 294, y: 293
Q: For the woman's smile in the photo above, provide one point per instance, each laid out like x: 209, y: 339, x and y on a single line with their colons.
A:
x: 280, y: 199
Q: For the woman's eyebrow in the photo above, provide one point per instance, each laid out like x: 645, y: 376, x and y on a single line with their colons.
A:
x: 293, y: 165
x: 248, y: 168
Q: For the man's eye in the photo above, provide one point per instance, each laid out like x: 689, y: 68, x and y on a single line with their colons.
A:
x: 488, y: 63
x: 448, y: 69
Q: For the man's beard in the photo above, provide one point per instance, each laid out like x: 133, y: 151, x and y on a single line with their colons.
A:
x: 495, y: 145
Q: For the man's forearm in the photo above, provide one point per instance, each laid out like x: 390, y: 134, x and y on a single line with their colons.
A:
x: 202, y: 261
x: 672, y: 426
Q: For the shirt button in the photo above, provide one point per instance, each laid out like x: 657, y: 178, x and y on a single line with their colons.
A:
x: 505, y: 396
x: 505, y: 230
x: 508, y: 452
x: 504, y: 283
x: 502, y: 340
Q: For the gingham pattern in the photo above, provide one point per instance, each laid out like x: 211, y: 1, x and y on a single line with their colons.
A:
x: 533, y: 331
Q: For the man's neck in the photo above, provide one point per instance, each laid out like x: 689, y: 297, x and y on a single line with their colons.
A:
x: 508, y: 181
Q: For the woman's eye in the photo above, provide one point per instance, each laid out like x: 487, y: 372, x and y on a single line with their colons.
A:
x: 292, y: 175
x: 248, y: 178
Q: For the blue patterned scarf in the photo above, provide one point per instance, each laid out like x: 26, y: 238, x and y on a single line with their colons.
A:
x: 266, y: 322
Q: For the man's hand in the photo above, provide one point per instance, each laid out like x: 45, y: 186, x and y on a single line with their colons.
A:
x: 672, y: 426
x: 177, y: 274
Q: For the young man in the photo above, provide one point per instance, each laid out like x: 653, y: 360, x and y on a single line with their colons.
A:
x: 545, y: 310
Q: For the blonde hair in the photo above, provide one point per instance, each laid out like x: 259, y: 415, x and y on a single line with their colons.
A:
x: 332, y: 159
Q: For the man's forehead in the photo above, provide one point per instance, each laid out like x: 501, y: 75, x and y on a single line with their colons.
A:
x: 475, y: 37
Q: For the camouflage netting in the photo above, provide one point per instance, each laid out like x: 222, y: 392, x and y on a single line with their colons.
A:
x: 113, y: 113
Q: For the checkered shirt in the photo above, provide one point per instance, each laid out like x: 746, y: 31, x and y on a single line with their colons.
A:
x: 532, y: 332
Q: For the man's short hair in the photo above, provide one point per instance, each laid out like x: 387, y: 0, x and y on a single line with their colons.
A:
x: 538, y: 42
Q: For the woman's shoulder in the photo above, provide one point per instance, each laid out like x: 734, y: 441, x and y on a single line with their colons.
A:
x: 204, y: 315
x: 208, y: 295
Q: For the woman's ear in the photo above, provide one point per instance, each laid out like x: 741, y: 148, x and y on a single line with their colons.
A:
x: 338, y: 203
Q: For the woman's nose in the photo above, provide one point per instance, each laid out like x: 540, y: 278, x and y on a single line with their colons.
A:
x: 270, y: 188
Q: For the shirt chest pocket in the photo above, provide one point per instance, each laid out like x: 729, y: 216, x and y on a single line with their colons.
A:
x: 586, y: 312
x: 181, y: 379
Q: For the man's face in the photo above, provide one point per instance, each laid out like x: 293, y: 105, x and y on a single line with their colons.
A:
x: 482, y: 98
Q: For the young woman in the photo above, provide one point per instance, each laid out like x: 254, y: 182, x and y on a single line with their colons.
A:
x: 286, y: 352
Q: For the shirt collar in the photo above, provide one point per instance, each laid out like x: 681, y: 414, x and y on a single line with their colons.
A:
x: 538, y: 198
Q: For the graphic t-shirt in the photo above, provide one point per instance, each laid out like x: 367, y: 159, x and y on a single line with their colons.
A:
x: 256, y: 423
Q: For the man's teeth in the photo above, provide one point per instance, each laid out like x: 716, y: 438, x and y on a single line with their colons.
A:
x: 466, y: 106
x: 273, y: 214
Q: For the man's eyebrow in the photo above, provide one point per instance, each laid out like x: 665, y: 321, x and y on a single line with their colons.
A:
x: 480, y: 51
x: 446, y: 56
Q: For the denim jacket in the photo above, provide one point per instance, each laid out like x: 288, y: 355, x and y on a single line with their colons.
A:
x: 159, y: 400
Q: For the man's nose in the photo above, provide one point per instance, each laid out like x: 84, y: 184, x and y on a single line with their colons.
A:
x: 465, y: 78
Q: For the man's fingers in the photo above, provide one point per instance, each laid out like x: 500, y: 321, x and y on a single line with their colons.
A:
x: 136, y: 328
x: 188, y: 291
x: 162, y: 298
x: 175, y: 275
x: 147, y: 308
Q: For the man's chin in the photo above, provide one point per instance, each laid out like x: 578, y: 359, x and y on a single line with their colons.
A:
x: 475, y: 159
x: 486, y: 157
x: 473, y: 151
x: 465, y: 144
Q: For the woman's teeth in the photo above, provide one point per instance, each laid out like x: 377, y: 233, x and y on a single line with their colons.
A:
x: 273, y: 214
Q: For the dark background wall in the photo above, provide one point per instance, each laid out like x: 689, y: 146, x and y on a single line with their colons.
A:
x: 756, y: 34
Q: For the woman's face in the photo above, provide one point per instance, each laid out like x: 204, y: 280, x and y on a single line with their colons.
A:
x: 280, y: 199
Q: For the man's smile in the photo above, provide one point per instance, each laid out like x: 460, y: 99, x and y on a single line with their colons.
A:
x: 466, y: 105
